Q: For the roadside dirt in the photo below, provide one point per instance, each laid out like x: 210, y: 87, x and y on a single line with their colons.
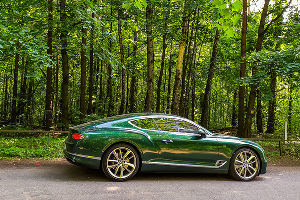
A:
x: 32, y: 161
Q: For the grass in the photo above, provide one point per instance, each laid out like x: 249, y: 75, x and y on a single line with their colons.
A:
x: 272, y: 150
x: 30, y: 147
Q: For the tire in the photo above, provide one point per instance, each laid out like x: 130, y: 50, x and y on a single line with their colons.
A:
x: 120, y: 162
x: 244, y: 165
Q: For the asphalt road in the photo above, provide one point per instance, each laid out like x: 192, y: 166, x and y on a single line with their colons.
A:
x: 62, y: 180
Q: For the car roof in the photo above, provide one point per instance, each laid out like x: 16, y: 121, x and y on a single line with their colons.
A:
x: 119, y: 117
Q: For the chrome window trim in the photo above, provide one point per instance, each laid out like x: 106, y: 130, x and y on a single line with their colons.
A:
x: 84, y: 156
x: 143, y: 117
x: 172, y: 117
x: 186, y: 165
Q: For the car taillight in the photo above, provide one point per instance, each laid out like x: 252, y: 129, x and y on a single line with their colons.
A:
x: 77, y: 136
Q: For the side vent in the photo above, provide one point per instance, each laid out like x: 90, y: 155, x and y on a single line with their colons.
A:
x: 220, y: 163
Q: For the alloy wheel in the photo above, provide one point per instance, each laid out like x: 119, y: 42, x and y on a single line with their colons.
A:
x: 121, y: 163
x: 246, y: 165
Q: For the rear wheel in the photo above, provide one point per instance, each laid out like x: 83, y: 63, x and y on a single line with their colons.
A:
x: 120, y: 162
x: 244, y: 165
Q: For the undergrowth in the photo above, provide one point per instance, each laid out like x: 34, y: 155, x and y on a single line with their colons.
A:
x: 31, y: 147
x: 288, y: 149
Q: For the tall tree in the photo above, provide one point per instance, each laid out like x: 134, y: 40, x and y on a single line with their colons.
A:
x: 15, y: 88
x: 133, y: 83
x: 272, y: 104
x: 161, y: 72
x: 123, y: 87
x: 259, y: 124
x: 109, y: 96
x: 251, y: 102
x: 91, y: 74
x: 176, y: 90
x: 169, y: 80
x: 205, y: 104
x: 49, y: 89
x: 83, y: 73
x: 273, y: 76
x: 261, y: 32
x: 65, y: 65
x: 185, y: 68
x: 241, y: 109
x: 150, y: 57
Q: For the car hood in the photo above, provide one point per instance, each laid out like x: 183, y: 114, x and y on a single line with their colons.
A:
x: 234, y: 138
x: 225, y: 136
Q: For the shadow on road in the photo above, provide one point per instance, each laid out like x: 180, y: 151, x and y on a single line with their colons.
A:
x: 68, y: 172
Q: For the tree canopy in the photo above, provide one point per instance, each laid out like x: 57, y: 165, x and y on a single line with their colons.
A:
x: 66, y: 62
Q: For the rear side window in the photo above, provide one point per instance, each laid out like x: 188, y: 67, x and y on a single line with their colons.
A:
x: 175, y: 125
x: 145, y: 124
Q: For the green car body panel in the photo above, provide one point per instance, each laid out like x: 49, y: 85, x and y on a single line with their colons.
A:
x: 161, y: 151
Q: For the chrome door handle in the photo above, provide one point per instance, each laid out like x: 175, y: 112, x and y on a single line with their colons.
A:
x: 167, y: 141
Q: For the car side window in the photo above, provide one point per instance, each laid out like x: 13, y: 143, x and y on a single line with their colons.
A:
x: 145, y: 123
x: 175, y: 125
x: 166, y: 124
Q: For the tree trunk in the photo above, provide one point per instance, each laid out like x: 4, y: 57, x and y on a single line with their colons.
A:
x: 184, y: 71
x: 49, y: 95
x: 133, y: 83
x: 169, y: 79
x: 109, y: 97
x: 290, y: 91
x: 161, y: 73
x: 91, y: 76
x: 123, y: 87
x: 193, y: 98
x: 234, y: 113
x: 101, y: 93
x: 150, y: 57
x: 29, y: 105
x: 176, y: 90
x: 5, y: 107
x: 91, y: 85
x: 83, y: 75
x: 259, y: 124
x: 22, y: 96
x: 192, y: 64
x: 56, y: 90
x: 15, y: 90
x: 272, y: 104
x: 101, y: 107
x: 205, y: 104
x: 241, y: 110
x: 65, y: 66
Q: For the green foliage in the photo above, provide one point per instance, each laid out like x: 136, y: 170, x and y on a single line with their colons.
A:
x: 24, y: 26
x: 272, y: 150
x: 30, y: 147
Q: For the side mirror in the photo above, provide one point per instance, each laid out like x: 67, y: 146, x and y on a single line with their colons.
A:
x: 199, y: 136
x: 203, y: 135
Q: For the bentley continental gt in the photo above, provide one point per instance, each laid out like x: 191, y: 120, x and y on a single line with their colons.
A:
x: 125, y: 144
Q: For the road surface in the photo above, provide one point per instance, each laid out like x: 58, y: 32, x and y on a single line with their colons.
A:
x: 61, y: 180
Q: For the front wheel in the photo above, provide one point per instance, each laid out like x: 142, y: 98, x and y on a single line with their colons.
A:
x: 244, y: 165
x: 120, y: 162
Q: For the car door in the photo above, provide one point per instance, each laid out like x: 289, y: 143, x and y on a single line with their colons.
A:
x: 181, y: 144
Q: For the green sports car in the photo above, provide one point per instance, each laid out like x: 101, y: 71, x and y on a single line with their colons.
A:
x: 125, y: 144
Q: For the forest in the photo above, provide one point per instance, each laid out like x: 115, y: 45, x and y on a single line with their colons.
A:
x: 221, y: 63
